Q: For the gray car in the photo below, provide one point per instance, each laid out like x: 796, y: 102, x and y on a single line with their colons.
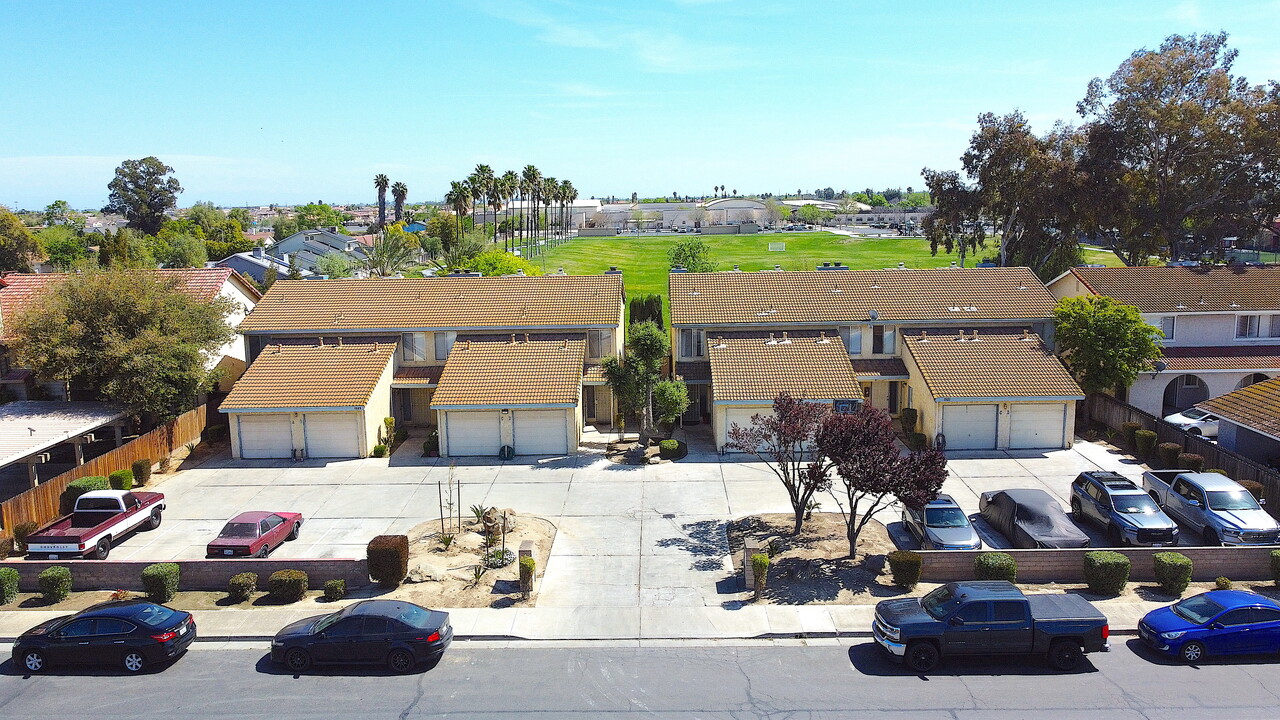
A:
x: 941, y: 525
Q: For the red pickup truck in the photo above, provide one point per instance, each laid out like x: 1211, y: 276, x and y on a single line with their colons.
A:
x: 100, y: 518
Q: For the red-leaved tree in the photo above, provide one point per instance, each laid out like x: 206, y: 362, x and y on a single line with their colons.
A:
x: 860, y: 448
x: 780, y: 441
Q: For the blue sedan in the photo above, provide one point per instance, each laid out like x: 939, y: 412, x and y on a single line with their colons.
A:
x: 1219, y: 622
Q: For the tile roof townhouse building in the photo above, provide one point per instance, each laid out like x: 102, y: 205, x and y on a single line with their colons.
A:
x: 490, y: 362
x: 1249, y: 420
x: 966, y: 347
x: 19, y: 291
x: 1221, y: 326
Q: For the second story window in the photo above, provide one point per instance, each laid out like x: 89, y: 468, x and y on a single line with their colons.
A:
x: 691, y: 344
x: 413, y: 347
x: 1247, y: 326
x: 444, y: 341
x: 599, y: 343
x: 852, y: 337
x: 1167, y: 326
x: 881, y: 340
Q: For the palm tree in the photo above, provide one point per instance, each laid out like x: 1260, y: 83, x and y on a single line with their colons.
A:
x: 381, y: 182
x: 399, y: 192
x: 390, y: 253
x: 458, y: 198
x: 482, y: 187
x: 532, y: 182
x: 510, y: 186
x: 570, y: 193
x: 547, y: 194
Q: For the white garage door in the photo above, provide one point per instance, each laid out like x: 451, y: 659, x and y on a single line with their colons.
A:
x: 1038, y: 425
x: 332, y: 435
x: 473, y: 433
x: 541, y: 432
x: 264, y: 436
x: 740, y: 417
x: 969, y: 427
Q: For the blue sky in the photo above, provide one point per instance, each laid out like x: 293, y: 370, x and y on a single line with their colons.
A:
x: 261, y: 102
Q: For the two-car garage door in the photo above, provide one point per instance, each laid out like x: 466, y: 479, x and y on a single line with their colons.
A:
x: 1031, y: 425
x: 326, y: 435
x: 534, y: 432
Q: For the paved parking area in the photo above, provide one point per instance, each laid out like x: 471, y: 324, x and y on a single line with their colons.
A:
x: 628, y: 536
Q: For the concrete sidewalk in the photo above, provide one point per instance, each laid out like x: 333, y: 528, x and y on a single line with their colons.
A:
x: 591, y: 623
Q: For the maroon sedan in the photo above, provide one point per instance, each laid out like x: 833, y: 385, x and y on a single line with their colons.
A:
x: 255, y: 534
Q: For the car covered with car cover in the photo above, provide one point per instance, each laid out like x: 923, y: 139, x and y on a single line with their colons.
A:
x: 1030, y: 518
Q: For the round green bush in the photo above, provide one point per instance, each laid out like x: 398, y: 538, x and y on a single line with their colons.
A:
x: 242, y: 586
x: 121, y: 480
x: 1223, y: 583
x: 905, y: 567
x: 671, y: 450
x: 1144, y: 443
x: 995, y: 566
x: 80, y: 486
x: 335, y: 590
x: 1128, y: 430
x: 6, y: 547
x: 1167, y: 454
x: 1254, y: 487
x: 8, y: 585
x: 141, y: 471
x: 528, y: 569
x: 1172, y: 571
x: 760, y: 571
x: 20, y: 533
x: 288, y: 585
x: 55, y: 583
x: 161, y: 581
x: 379, y: 450
x: 1191, y: 461
x: 1106, y: 571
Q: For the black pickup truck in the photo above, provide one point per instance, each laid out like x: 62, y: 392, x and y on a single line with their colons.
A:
x: 989, y: 618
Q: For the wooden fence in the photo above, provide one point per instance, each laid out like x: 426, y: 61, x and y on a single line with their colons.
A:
x: 1113, y: 413
x: 42, y: 503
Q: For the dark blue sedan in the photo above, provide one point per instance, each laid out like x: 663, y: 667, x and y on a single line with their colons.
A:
x: 1219, y: 622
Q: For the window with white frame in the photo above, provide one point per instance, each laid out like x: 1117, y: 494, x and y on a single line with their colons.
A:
x: 851, y: 335
x: 1167, y: 326
x: 691, y: 343
x: 1247, y: 326
x: 413, y: 347
x: 599, y: 343
x: 444, y: 341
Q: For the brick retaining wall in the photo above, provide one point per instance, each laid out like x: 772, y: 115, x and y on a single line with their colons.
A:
x: 196, y: 574
x: 1067, y: 566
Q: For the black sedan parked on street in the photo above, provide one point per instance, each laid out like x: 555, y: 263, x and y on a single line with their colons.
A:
x: 132, y: 634
x: 399, y: 634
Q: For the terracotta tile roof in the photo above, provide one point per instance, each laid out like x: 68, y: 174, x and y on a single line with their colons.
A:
x: 694, y: 370
x: 757, y: 369
x: 879, y: 368
x: 1195, y: 289
x: 996, y: 365
x: 1255, y: 357
x: 593, y: 372
x: 19, y: 290
x: 1256, y: 407
x: 838, y: 296
x: 403, y: 304
x: 420, y: 375
x: 497, y: 372
x: 310, y: 376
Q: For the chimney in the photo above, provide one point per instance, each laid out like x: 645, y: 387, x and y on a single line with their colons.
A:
x: 258, y: 251
x: 613, y: 270
x: 736, y: 268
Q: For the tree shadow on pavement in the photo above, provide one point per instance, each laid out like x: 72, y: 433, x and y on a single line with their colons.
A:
x: 870, y: 659
x: 705, y: 540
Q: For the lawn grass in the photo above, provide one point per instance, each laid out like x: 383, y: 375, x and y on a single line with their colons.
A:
x: 644, y: 264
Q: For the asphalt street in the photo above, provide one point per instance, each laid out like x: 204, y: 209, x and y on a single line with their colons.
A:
x: 785, y: 679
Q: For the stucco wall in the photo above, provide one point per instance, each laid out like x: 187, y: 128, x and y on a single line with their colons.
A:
x: 378, y: 408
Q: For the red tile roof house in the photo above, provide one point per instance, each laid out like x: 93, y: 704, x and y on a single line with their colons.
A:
x: 18, y: 291
x: 968, y: 348
x: 1221, y: 326
x: 490, y: 362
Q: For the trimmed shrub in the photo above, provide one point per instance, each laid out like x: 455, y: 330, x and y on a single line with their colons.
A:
x: 8, y: 585
x: 909, y: 418
x: 141, y: 471
x: 21, y: 532
x: 287, y: 585
x: 121, y: 480
x: 401, y: 436
x: 995, y: 566
x: 81, y: 486
x: 388, y: 559
x: 335, y: 590
x: 1191, y: 461
x: 160, y: 581
x: 1173, y: 571
x: 1167, y: 454
x: 242, y: 586
x: 55, y: 583
x: 760, y: 570
x: 1275, y: 566
x: 1254, y: 487
x: 1144, y: 443
x: 669, y: 449
x: 379, y: 450
x: 917, y: 441
x: 528, y: 568
x: 1106, y: 571
x: 1223, y: 583
x: 6, y: 548
x: 905, y: 566
x: 1128, y: 430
